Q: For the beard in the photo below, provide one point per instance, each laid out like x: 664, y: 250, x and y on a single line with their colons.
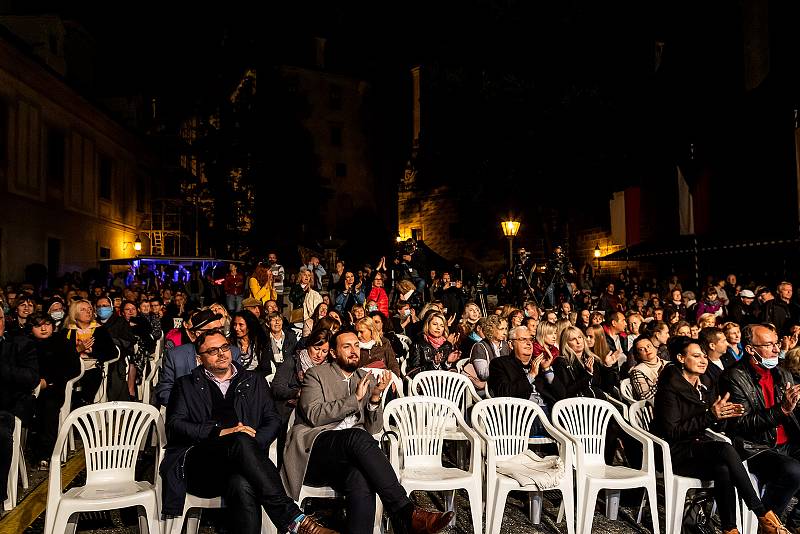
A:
x: 347, y: 365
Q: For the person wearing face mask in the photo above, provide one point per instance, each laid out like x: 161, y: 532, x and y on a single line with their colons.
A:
x: 376, y: 351
x: 55, y: 309
x: 767, y: 435
x: 124, y: 338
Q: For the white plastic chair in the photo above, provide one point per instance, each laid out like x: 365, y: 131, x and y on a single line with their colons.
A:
x: 626, y: 391
x: 67, y: 407
x: 102, y: 392
x: 174, y: 525
x: 505, y: 425
x: 111, y: 434
x: 421, y: 424
x: 584, y: 422
x: 13, y: 472
x: 620, y: 406
x: 675, y: 486
x: 396, y: 381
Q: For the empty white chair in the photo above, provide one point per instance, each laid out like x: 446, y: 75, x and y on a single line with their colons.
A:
x: 421, y: 424
x: 675, y: 486
x: 174, y: 525
x: 13, y: 471
x: 505, y: 425
x: 111, y: 435
x: 584, y: 422
x: 626, y: 391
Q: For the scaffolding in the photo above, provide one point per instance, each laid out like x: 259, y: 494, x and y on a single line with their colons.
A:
x: 162, y: 226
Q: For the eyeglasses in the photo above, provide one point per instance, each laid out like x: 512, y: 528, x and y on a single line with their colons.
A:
x: 215, y: 351
x: 524, y: 340
x: 770, y: 344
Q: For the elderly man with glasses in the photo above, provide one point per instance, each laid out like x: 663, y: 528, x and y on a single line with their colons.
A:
x: 220, y: 422
x: 514, y: 375
x: 768, y: 434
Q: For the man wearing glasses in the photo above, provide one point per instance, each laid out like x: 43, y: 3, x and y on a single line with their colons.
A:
x: 220, y: 422
x: 514, y: 375
x: 768, y: 434
x: 181, y: 360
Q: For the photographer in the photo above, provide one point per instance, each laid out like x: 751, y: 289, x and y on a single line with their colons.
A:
x: 521, y: 276
x: 451, y: 294
x: 409, y: 264
x: 558, y: 268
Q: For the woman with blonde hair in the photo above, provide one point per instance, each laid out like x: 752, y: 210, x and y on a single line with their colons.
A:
x: 598, y: 342
x: 260, y: 284
x: 303, y: 297
x: 407, y: 292
x: 493, y: 345
x: 376, y: 351
x: 579, y: 372
x: 434, y: 348
x: 546, y: 339
x: 93, y: 342
x: 466, y: 326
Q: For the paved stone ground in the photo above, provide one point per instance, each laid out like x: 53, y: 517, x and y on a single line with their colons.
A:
x: 515, y: 520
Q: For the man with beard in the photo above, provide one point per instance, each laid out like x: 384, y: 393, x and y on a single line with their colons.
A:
x: 331, y: 444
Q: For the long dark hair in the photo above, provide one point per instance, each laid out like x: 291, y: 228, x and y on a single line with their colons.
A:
x: 256, y: 336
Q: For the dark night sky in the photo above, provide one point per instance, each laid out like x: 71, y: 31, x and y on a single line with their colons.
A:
x: 539, y: 92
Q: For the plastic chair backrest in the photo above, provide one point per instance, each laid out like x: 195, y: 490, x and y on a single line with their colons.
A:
x: 395, y: 380
x: 626, y: 391
x: 508, y: 421
x: 641, y: 415
x: 586, y: 420
x: 112, y: 433
x: 454, y: 387
x: 421, y: 423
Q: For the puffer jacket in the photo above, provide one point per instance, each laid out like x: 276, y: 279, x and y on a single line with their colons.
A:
x: 757, y: 428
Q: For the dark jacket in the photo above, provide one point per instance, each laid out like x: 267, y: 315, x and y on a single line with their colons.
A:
x: 757, y: 428
x: 742, y: 314
x: 103, y: 348
x: 680, y: 415
x: 289, y: 347
x: 508, y: 378
x: 286, y: 387
x: 19, y: 374
x: 58, y: 360
x: 573, y: 380
x: 778, y: 313
x: 188, y: 422
x: 421, y: 357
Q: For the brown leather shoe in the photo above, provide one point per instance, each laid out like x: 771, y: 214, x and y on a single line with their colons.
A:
x: 425, y: 522
x: 770, y: 524
x: 309, y: 526
x: 731, y: 531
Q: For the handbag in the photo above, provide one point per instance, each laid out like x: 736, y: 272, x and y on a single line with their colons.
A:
x: 297, y: 315
x: 696, y: 516
x: 469, y: 370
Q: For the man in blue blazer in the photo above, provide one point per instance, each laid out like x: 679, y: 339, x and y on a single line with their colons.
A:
x: 181, y: 360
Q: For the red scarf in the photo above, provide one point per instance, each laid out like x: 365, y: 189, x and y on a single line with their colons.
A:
x: 437, y: 342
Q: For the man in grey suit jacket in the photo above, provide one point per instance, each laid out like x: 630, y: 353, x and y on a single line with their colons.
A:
x: 331, y: 444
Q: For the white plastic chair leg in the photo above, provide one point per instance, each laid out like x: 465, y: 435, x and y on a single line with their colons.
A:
x: 568, y: 508
x: 586, y: 511
x: 652, y: 495
x: 673, y: 508
x: 560, y: 515
x: 476, y: 509
x: 494, y: 518
x: 535, y: 507
x: 266, y: 525
x: 193, y: 521
x: 450, y: 505
x: 612, y: 503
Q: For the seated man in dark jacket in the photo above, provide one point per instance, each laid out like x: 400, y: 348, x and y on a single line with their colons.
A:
x: 19, y: 374
x: 514, y: 375
x: 225, y: 453
x: 768, y: 434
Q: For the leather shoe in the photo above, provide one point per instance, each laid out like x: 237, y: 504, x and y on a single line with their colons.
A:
x: 770, y: 524
x: 425, y: 522
x: 309, y: 526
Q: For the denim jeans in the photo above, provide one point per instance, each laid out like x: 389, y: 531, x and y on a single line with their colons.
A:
x: 234, y: 303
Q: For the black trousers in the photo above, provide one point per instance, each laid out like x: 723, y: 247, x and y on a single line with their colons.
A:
x: 48, y: 404
x: 780, y: 474
x: 719, y: 461
x: 234, y: 467
x: 351, y: 462
x: 6, y: 450
x: 90, y: 383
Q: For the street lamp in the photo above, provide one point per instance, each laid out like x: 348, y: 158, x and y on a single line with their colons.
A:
x: 597, y: 256
x: 137, y: 244
x: 510, y: 229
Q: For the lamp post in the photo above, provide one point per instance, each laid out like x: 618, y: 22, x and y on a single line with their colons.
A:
x: 597, y: 256
x: 137, y: 244
x: 510, y: 229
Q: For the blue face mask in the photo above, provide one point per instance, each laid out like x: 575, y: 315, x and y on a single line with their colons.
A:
x: 782, y: 355
x: 769, y: 363
x: 474, y: 336
x: 104, y: 312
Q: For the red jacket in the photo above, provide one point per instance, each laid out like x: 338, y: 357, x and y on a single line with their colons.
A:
x: 233, y: 284
x: 381, y: 298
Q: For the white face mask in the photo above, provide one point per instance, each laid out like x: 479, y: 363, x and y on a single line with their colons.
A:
x: 769, y: 363
x: 57, y: 315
